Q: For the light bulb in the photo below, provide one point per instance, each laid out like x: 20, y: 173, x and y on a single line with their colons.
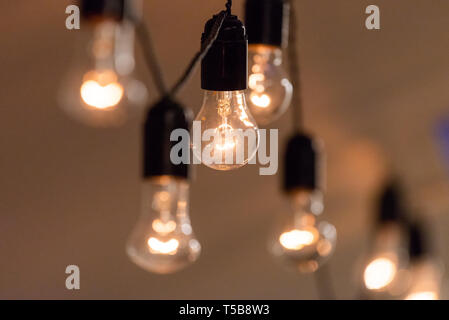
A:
x: 387, y: 258
x: 302, y: 242
x: 270, y: 91
x: 163, y: 240
x: 99, y: 89
x: 230, y: 134
x: 425, y: 281
x: 380, y: 272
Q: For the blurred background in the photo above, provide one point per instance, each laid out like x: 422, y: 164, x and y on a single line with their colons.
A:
x: 70, y: 194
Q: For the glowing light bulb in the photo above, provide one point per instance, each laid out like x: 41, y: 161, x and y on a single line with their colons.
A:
x: 163, y: 239
x: 301, y: 242
x: 379, y: 273
x: 387, y: 258
x: 99, y: 89
x: 298, y: 238
x: 426, y: 277
x: 426, y: 295
x: 270, y: 91
x: 229, y: 133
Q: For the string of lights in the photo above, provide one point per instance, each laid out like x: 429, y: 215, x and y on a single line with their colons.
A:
x: 163, y: 240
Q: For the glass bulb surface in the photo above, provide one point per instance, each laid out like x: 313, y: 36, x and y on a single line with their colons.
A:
x: 301, y: 241
x: 387, y: 258
x: 270, y: 92
x: 163, y: 240
x: 426, y: 277
x: 99, y: 89
x: 229, y: 135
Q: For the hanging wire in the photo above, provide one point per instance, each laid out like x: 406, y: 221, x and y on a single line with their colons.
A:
x: 293, y: 61
x: 229, y: 6
x: 147, y: 46
x: 202, y: 53
x: 152, y: 61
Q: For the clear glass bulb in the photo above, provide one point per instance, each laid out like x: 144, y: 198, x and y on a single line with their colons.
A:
x: 270, y: 92
x: 300, y: 241
x: 386, y: 260
x: 163, y: 240
x: 229, y: 133
x: 99, y: 89
x: 426, y: 277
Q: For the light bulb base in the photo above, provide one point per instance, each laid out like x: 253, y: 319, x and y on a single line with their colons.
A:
x: 418, y: 241
x: 162, y: 119
x: 225, y: 66
x: 301, y: 163
x: 99, y: 10
x: 267, y: 22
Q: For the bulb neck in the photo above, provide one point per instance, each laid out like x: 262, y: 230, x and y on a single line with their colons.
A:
x: 162, y: 119
x: 267, y: 22
x: 225, y: 66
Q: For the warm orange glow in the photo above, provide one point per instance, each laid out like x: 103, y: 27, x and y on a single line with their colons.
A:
x: 101, y: 90
x: 164, y: 227
x: 225, y: 131
x: 379, y: 273
x: 260, y: 100
x: 425, y: 295
x: 157, y: 246
x: 297, y: 239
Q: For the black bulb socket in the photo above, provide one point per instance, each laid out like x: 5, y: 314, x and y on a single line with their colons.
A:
x: 418, y: 242
x: 99, y: 10
x: 225, y: 66
x: 301, y: 163
x: 267, y: 22
x: 164, y: 117
x: 390, y: 207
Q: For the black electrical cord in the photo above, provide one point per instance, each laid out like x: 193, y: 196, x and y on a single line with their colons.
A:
x: 152, y: 61
x: 202, y: 53
x: 146, y: 44
x: 229, y: 6
x: 295, y: 77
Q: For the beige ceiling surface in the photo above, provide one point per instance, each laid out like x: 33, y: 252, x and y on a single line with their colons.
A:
x: 70, y: 194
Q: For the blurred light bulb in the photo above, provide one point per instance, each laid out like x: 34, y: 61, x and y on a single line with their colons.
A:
x: 163, y: 240
x: 99, y: 89
x: 379, y: 273
x: 230, y: 134
x: 386, y: 260
x: 426, y: 277
x: 270, y: 91
x: 302, y: 242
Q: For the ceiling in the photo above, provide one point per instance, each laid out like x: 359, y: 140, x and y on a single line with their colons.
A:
x: 70, y: 194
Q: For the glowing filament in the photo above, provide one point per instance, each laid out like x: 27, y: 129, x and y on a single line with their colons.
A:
x: 379, y: 273
x: 225, y: 131
x: 297, y: 239
x: 101, y: 90
x: 260, y: 100
x: 164, y: 227
x: 157, y: 246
